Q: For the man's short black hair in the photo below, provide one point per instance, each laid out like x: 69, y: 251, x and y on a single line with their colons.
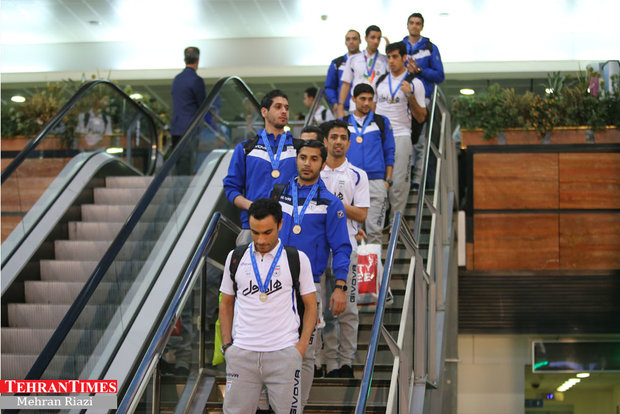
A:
x: 192, y: 54
x: 315, y: 129
x: 267, y: 100
x: 311, y: 92
x: 372, y: 28
x: 363, y: 88
x: 354, y: 31
x: 335, y: 123
x: 264, y: 207
x: 418, y: 15
x: 313, y: 143
x: 398, y: 46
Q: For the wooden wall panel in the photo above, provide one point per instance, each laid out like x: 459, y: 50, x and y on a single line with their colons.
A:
x: 589, y: 180
x: 590, y: 241
x: 515, y: 181
x: 516, y: 242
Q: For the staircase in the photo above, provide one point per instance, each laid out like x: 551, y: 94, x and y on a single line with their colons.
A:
x: 339, y: 395
x: 48, y: 297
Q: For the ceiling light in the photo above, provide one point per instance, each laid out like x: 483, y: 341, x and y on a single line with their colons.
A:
x: 136, y: 96
x: 18, y: 99
x: 467, y: 91
x: 583, y: 375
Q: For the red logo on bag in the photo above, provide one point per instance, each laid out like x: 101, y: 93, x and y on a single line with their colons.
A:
x: 367, y: 273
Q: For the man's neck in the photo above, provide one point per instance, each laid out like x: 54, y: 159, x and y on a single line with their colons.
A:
x: 398, y: 72
x: 192, y: 66
x: 359, y: 114
x: 370, y: 52
x: 353, y: 53
x: 335, y: 162
x: 414, y: 39
x: 270, y: 129
x: 305, y: 182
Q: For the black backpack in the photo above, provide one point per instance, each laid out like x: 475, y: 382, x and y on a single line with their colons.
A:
x: 292, y: 255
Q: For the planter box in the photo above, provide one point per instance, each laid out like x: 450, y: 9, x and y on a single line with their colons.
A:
x: 560, y: 135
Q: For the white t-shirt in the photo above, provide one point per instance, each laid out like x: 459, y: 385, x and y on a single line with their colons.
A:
x: 358, y: 69
x: 323, y: 114
x: 271, y: 325
x: 398, y: 111
x: 349, y: 184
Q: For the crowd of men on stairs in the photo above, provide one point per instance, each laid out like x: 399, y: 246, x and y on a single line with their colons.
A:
x: 314, y: 198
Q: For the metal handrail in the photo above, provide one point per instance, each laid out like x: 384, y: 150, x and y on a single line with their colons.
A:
x: 10, y: 169
x: 158, y: 344
x: 104, y: 264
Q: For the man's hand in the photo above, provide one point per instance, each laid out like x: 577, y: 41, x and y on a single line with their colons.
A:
x: 406, y: 88
x: 361, y: 234
x: 412, y: 66
x: 338, y: 302
x: 302, y: 348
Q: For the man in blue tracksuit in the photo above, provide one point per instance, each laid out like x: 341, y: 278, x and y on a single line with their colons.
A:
x: 372, y: 150
x: 261, y: 161
x: 333, y: 80
x: 423, y: 60
x: 314, y: 221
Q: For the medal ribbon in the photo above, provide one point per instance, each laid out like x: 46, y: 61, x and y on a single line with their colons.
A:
x: 275, y: 161
x: 262, y: 287
x: 397, y: 88
x: 299, y: 216
x: 367, y: 121
x: 372, y: 68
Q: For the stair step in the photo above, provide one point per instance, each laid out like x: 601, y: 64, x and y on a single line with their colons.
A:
x: 130, y: 181
x: 79, y: 230
x: 94, y: 250
x: 80, y: 271
x: 37, y: 291
x: 16, y: 366
x: 120, y: 213
x: 31, y: 341
x: 115, y: 196
x: 48, y: 316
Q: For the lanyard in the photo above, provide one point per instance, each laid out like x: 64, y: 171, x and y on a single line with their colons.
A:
x: 299, y: 216
x: 397, y: 88
x: 367, y: 121
x: 372, y: 68
x: 275, y: 161
x: 262, y: 287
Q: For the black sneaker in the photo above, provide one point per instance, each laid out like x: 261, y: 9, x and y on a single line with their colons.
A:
x: 319, y: 372
x: 333, y: 374
x: 346, y: 371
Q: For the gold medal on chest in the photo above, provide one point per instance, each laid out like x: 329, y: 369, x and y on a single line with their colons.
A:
x: 263, y: 297
x: 275, y: 173
x: 359, y: 139
x: 296, y: 229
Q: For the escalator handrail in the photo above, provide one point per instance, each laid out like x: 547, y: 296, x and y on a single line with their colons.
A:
x: 30, y: 147
x: 76, y: 308
x: 167, y: 323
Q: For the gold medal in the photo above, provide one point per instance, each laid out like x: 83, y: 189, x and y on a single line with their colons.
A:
x: 263, y: 297
x: 359, y: 139
x: 275, y: 173
x: 297, y: 229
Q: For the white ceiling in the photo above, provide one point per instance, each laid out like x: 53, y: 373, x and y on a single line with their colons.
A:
x: 43, y: 40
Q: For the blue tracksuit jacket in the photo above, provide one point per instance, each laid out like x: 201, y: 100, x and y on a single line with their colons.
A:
x: 375, y: 152
x: 428, y: 59
x: 324, y: 227
x: 333, y: 82
x: 250, y: 176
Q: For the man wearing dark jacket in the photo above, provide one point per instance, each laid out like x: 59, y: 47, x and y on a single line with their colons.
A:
x: 188, y: 93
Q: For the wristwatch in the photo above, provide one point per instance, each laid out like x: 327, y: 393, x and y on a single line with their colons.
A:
x: 225, y: 347
x: 343, y: 287
x: 390, y: 182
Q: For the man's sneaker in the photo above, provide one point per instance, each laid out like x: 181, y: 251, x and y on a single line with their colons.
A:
x: 335, y: 373
x: 346, y: 371
x: 319, y: 372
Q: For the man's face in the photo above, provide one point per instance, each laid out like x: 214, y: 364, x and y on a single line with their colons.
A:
x: 363, y: 102
x: 352, y: 40
x: 265, y: 233
x: 415, y: 26
x: 277, y: 114
x: 308, y: 101
x: 309, y: 164
x: 372, y: 40
x: 337, y: 142
x: 396, y: 62
x: 307, y: 136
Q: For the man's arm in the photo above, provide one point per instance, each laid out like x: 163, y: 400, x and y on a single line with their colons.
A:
x: 340, y: 245
x: 234, y: 182
x: 344, y: 96
x: 434, y: 72
x: 414, y: 98
x: 389, y: 147
x: 242, y: 202
x: 356, y: 213
x: 309, y: 322
x: 226, y: 317
x: 331, y: 84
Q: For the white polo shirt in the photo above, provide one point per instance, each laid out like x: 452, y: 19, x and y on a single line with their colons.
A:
x: 398, y: 111
x: 272, y: 325
x: 357, y: 68
x: 349, y: 184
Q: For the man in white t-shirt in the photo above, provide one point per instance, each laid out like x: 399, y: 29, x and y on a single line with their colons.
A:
x: 349, y: 184
x: 322, y: 113
x: 259, y: 321
x: 400, y: 96
x: 365, y: 67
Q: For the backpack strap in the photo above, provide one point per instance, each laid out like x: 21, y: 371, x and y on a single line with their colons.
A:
x: 381, y: 79
x: 378, y: 119
x: 234, y: 263
x: 277, y: 191
x: 249, y: 145
x: 339, y: 61
x: 292, y: 255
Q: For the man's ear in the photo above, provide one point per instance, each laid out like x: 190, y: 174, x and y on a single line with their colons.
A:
x: 263, y: 112
x: 280, y: 226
